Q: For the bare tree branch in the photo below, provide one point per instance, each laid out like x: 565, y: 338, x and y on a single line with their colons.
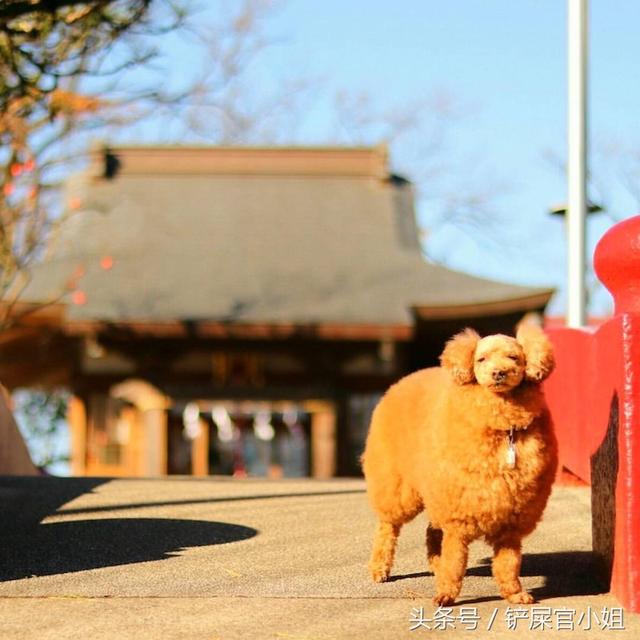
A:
x: 47, y: 51
x: 457, y: 191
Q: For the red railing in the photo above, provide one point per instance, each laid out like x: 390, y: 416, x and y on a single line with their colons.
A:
x: 595, y: 391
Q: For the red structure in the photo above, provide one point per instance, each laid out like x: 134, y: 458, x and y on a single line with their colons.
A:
x: 594, y: 396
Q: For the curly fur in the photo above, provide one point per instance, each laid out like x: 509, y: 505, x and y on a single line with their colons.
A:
x: 438, y: 441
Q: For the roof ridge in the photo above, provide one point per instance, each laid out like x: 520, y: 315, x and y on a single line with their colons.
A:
x: 343, y: 161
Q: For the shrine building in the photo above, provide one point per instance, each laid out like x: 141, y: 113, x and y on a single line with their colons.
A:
x: 239, y: 310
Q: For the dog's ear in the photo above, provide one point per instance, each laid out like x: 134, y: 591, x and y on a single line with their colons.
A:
x: 537, y: 350
x: 458, y: 354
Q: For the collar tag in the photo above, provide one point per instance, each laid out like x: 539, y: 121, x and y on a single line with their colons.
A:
x: 510, y: 461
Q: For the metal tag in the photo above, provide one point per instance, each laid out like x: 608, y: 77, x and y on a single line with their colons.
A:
x: 511, y: 456
x: 511, y: 451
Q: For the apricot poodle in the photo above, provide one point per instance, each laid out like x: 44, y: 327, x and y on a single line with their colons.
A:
x: 471, y: 442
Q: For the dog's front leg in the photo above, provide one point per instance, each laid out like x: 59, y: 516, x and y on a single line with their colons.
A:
x: 506, y: 570
x: 451, y: 567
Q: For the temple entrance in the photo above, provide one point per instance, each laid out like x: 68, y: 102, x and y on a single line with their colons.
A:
x: 135, y: 430
x: 245, y: 439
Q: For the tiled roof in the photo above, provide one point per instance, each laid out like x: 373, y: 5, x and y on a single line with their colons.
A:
x: 302, y: 235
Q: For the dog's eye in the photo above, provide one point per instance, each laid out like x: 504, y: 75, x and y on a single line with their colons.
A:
x: 481, y: 359
x: 514, y: 357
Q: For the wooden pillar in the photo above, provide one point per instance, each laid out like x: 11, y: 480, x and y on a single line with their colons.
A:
x: 200, y: 451
x: 156, y: 442
x: 323, y: 439
x: 77, y: 420
x: 153, y: 405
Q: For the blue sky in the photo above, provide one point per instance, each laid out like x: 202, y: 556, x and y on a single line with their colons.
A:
x: 505, y: 62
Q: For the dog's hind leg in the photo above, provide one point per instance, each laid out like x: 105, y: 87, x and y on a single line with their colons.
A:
x: 451, y: 567
x: 395, y: 503
x: 506, y: 570
x: 384, y: 547
x: 434, y: 546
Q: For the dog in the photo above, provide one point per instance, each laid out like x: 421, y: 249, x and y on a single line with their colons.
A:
x: 470, y: 442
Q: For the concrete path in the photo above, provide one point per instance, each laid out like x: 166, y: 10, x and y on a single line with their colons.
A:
x: 225, y: 559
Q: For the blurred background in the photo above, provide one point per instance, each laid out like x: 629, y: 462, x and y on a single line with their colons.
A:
x: 229, y: 226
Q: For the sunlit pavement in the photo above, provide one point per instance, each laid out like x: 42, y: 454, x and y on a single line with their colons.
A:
x: 220, y: 558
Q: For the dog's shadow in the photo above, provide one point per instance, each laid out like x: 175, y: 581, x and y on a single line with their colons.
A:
x: 565, y: 573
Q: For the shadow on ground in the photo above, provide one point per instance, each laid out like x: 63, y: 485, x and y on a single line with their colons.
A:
x: 65, y: 547
x: 565, y: 573
x: 29, y: 547
x: 194, y: 501
x: 25, y: 501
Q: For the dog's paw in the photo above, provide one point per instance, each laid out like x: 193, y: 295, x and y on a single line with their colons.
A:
x: 523, y: 597
x: 444, y: 600
x: 379, y: 575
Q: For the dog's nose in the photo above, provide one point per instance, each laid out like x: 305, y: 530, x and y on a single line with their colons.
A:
x: 500, y: 375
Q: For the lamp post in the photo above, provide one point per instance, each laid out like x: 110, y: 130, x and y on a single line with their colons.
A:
x: 577, y: 160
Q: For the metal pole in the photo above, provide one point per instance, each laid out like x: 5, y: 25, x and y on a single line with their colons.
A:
x: 577, y: 160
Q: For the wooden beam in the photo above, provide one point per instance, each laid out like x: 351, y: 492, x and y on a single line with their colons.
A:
x: 251, y: 331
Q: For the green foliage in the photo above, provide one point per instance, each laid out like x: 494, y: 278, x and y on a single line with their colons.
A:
x: 41, y: 417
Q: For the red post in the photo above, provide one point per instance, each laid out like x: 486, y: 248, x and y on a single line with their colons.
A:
x: 617, y: 264
x: 594, y: 369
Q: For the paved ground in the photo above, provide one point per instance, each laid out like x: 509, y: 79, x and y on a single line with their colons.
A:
x: 222, y: 559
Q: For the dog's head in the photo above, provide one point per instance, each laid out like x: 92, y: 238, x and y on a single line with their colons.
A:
x: 499, y: 363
